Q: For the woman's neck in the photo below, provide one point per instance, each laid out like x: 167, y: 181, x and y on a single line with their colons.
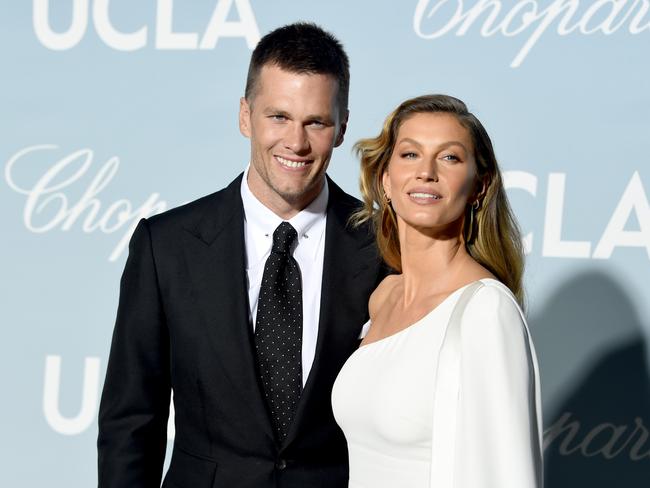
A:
x: 431, y: 264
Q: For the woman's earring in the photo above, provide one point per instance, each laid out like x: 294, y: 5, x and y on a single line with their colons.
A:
x: 472, y: 228
x: 388, y: 222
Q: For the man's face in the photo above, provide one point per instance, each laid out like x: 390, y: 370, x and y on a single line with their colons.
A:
x: 293, y: 122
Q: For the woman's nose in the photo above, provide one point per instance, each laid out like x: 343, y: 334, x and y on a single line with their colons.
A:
x: 427, y: 170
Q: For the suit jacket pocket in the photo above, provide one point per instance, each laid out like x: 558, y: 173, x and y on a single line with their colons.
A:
x: 189, y: 471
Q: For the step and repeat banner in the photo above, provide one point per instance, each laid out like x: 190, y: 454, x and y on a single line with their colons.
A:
x: 113, y: 110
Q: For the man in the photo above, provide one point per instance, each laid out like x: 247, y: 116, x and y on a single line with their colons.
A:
x: 247, y: 302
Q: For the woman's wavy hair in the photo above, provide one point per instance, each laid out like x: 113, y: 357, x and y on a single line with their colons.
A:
x: 491, y: 233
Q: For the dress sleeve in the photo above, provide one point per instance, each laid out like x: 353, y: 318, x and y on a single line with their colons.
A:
x: 499, y: 424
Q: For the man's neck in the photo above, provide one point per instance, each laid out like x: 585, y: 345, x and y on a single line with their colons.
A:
x: 280, y: 205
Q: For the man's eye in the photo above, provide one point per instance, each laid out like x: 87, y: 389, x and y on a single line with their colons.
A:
x: 317, y: 123
x: 278, y: 117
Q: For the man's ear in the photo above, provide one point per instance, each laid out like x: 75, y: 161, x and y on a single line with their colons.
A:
x: 342, y: 127
x: 244, y: 117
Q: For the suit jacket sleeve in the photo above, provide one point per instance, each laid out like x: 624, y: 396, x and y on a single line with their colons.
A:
x: 135, y: 400
x: 499, y: 427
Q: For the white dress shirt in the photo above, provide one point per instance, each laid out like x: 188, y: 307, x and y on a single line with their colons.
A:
x: 259, y: 224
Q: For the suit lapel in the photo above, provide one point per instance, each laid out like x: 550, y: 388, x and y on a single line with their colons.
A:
x: 350, y: 264
x: 216, y: 257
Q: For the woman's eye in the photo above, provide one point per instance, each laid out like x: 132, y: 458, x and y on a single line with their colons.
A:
x: 409, y: 155
x: 451, y: 157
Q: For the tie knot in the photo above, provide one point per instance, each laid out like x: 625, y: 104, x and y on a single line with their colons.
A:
x: 283, y: 237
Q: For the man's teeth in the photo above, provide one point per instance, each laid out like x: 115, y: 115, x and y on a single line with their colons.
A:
x: 425, y: 195
x: 291, y: 164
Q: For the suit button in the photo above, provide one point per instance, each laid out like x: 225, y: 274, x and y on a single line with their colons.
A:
x: 281, y: 464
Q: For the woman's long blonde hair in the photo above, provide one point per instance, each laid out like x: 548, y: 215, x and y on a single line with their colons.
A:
x: 490, y: 231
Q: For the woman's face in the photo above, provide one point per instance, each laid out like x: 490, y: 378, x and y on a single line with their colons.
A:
x: 431, y: 176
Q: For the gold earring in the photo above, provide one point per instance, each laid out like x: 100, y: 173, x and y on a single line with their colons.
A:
x: 388, y: 222
x: 471, y: 230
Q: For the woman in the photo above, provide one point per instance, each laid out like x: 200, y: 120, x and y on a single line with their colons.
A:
x: 418, y: 409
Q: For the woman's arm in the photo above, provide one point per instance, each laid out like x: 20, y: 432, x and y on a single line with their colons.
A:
x: 499, y: 432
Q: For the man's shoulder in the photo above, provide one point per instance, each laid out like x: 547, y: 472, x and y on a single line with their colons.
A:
x: 190, y: 214
x: 344, y: 206
x: 338, y: 196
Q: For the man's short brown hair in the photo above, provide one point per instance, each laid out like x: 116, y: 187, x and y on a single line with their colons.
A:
x: 301, y: 48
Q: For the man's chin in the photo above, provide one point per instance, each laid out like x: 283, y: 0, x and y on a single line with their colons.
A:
x: 299, y: 196
x: 293, y: 197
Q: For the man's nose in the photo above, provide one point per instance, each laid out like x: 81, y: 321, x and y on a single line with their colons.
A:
x: 296, y: 140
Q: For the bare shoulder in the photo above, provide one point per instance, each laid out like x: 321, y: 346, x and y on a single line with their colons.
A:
x: 381, y: 293
x: 475, y: 271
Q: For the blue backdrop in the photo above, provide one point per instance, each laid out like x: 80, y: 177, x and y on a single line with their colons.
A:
x: 115, y: 110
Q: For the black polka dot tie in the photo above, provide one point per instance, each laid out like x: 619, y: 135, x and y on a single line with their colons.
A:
x: 278, y: 330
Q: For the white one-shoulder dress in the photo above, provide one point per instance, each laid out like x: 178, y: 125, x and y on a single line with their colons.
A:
x: 383, y: 400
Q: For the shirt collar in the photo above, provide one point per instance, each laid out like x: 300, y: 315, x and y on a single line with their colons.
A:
x: 261, y: 217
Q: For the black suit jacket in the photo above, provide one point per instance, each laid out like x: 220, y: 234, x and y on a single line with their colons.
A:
x: 183, y: 325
